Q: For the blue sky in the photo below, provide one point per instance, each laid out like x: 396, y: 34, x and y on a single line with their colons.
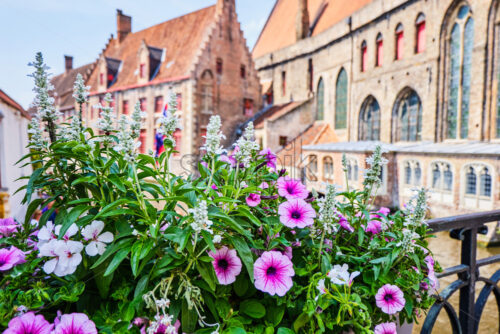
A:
x: 81, y: 29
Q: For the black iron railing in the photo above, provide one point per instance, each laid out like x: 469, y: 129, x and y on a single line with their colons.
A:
x: 465, y: 228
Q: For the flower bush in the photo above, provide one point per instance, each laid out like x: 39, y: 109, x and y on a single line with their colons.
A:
x: 125, y: 245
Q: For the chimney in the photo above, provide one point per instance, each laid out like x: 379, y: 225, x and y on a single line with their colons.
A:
x: 68, y: 63
x: 222, y: 4
x: 302, y: 20
x: 123, y: 25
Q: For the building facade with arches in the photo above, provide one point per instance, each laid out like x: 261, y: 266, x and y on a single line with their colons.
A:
x: 420, y: 77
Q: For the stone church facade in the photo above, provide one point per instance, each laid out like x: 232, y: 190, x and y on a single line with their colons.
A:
x: 419, y: 77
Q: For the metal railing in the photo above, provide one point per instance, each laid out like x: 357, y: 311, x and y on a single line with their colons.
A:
x: 465, y: 228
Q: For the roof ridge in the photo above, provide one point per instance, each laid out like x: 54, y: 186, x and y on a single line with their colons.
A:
x: 174, y: 18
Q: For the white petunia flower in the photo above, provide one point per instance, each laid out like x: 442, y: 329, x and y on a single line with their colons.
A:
x: 46, y: 234
x: 98, y: 241
x: 72, y: 230
x: 321, y: 286
x: 70, y: 255
x: 340, y: 275
x: 65, y: 257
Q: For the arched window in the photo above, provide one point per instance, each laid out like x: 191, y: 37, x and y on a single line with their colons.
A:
x: 407, y: 173
x: 478, y: 182
x: 369, y: 120
x: 313, y: 168
x: 436, y: 177
x: 398, y: 51
x: 442, y: 177
x: 417, y: 172
x: 461, y: 43
x: 485, y: 183
x: 320, y: 101
x: 408, y: 117
x: 471, y: 181
x: 207, y: 98
x: 420, y: 33
x: 447, y: 178
x: 364, y: 56
x: 352, y: 169
x: 341, y: 100
x: 379, y: 58
x: 328, y: 168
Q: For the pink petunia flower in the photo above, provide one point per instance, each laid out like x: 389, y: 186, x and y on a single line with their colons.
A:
x: 270, y: 158
x: 75, y: 323
x: 9, y: 258
x: 344, y: 223
x: 374, y: 226
x: 253, y: 200
x: 385, y: 328
x: 7, y: 227
x: 296, y: 213
x: 383, y: 210
x: 291, y: 188
x: 273, y: 273
x: 264, y: 185
x: 227, y: 265
x: 431, y: 275
x: 29, y: 323
x: 390, y: 299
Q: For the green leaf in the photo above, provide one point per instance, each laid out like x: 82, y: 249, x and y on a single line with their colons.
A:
x: 85, y: 179
x: 253, y: 308
x: 71, y: 217
x: 33, y: 178
x: 240, y: 286
x: 207, y: 273
x: 111, y: 206
x: 300, y: 322
x: 189, y: 318
x: 119, y: 257
x: 235, y: 330
x: 103, y: 282
x: 141, y: 286
x: 246, y: 213
x: 283, y: 330
x: 223, y: 307
x: 117, y: 182
x: 31, y: 209
x: 244, y: 253
x: 275, y: 314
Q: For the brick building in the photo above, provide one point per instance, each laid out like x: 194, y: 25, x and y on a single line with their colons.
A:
x: 201, y: 57
x: 63, y: 86
x: 419, y: 77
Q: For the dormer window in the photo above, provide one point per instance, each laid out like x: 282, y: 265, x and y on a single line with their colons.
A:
x: 142, y: 70
x: 218, y: 66
x: 112, y: 68
x: 243, y: 72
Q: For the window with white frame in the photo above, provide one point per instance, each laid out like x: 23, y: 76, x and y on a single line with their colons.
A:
x: 478, y: 181
x: 412, y: 173
x: 328, y: 168
x: 441, y: 177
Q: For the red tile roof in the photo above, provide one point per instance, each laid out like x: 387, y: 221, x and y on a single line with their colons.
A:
x: 63, y: 85
x: 180, y: 38
x: 276, y: 112
x: 279, y: 30
x: 10, y: 101
x: 317, y: 133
